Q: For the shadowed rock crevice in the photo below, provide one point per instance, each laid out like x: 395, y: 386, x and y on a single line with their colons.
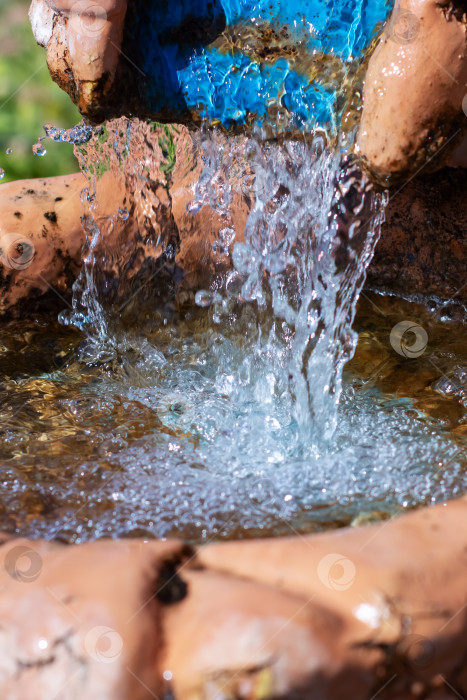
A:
x: 423, y: 244
x: 169, y: 587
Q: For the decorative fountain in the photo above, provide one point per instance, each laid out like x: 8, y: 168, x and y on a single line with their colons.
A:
x: 236, y: 324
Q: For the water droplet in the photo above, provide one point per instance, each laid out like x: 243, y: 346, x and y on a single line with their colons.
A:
x: 79, y: 134
x: 204, y: 298
x: 245, y: 258
x: 53, y: 132
x: 193, y: 207
x: 123, y: 214
x: 9, y: 151
x: 218, y: 249
x: 64, y: 318
x: 38, y: 149
x: 2, y: 173
x: 226, y: 235
x: 234, y: 284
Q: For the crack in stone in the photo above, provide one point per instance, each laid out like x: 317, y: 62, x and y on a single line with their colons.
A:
x: 60, y: 642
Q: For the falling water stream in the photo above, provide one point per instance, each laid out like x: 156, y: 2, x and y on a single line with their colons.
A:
x: 233, y: 409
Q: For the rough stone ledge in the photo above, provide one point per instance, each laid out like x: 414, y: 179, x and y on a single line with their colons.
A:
x: 423, y: 243
x: 372, y: 611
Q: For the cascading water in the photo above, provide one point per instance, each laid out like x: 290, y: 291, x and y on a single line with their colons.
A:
x: 210, y: 390
x: 211, y: 393
x: 291, y: 260
x: 296, y: 263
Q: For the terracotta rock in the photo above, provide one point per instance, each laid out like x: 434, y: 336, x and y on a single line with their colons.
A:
x: 423, y: 243
x: 391, y: 553
x: 82, y: 621
x: 83, y: 40
x: 40, y: 238
x: 391, y: 587
x: 378, y: 610
x: 458, y: 158
x: 236, y: 639
x: 414, y: 90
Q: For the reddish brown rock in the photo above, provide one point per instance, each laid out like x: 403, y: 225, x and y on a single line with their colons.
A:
x: 83, y: 40
x: 423, y: 244
x: 82, y: 621
x: 237, y: 639
x: 378, y: 610
x: 40, y: 238
x: 395, y: 592
x: 414, y: 90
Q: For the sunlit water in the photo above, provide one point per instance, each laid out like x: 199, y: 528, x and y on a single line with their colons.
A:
x: 144, y: 446
x: 232, y: 414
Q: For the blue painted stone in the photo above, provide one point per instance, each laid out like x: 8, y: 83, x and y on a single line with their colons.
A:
x: 190, y: 69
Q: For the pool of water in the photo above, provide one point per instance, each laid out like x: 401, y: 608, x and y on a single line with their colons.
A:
x: 159, y: 438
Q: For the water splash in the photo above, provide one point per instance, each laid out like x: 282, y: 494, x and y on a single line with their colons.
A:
x: 299, y: 263
x: 87, y: 311
x: 77, y: 135
x: 117, y: 253
x: 308, y: 240
x: 230, y: 418
x: 136, y: 446
x: 254, y: 396
x: 39, y: 149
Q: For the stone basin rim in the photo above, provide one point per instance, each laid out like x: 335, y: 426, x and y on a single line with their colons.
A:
x: 350, y: 620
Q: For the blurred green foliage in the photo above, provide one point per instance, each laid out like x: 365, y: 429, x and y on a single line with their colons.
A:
x: 28, y: 100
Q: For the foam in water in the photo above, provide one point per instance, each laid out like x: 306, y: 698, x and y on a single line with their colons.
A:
x: 292, y: 262
x: 244, y: 421
x: 289, y: 259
